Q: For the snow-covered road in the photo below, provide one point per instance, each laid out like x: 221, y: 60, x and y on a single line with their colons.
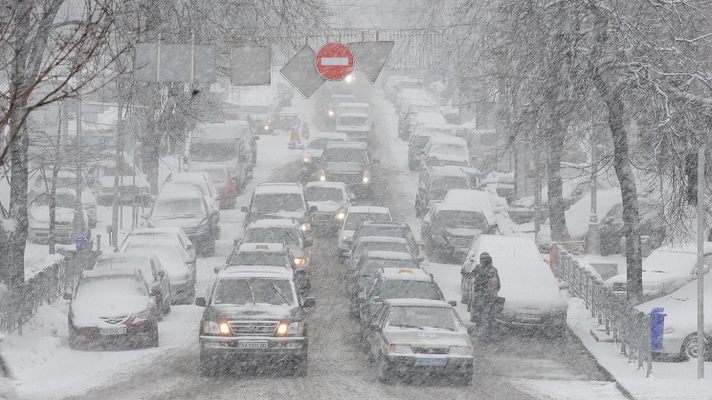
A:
x: 518, y: 367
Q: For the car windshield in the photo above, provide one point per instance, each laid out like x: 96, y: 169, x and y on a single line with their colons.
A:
x: 372, y: 265
x: 424, y: 318
x: 352, y: 120
x: 381, y: 246
x: 273, y: 202
x: 64, y: 200
x: 319, y: 144
x: 218, y: 175
x: 355, y: 219
x: 391, y: 231
x: 345, y: 155
x: 258, y: 258
x: 254, y: 291
x: 191, y: 207
x: 315, y: 193
x: 404, y: 289
x: 461, y: 219
x: 94, y: 290
x: 178, y: 187
x: 448, y: 149
x: 449, y: 182
x: 212, y: 152
x: 288, y: 236
x: 140, y: 261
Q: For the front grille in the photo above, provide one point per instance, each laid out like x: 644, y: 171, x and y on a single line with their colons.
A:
x: 348, y: 179
x: 65, y: 223
x: 114, y: 320
x: 460, y: 242
x: 253, y: 328
x: 620, y: 287
x: 430, y: 350
x: 322, y: 217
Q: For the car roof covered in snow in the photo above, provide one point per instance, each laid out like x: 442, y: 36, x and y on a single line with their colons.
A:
x: 342, y: 97
x: 112, y: 272
x: 353, y: 115
x: 509, y: 247
x: 447, y: 139
x: 327, y: 135
x: 347, y: 145
x: 384, y: 224
x: 265, y: 272
x: 354, y: 104
x: 333, y: 185
x: 268, y: 188
x: 261, y: 247
x: 429, y: 118
x: 178, y: 195
x: 153, y: 231
x: 405, y: 274
x: 369, y: 210
x: 189, y: 177
x: 273, y: 223
x: 417, y: 303
x: 389, y: 255
x: 468, y: 200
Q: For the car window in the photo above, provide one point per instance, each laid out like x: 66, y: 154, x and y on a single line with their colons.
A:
x: 272, y: 202
x: 179, y: 207
x: 253, y: 292
x: 288, y: 236
x: 423, y: 318
x: 258, y: 258
x: 404, y: 289
x: 354, y: 220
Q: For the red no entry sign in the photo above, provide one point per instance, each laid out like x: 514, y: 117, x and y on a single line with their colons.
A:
x: 334, y: 61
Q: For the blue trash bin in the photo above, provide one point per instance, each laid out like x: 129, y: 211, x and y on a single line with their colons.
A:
x: 657, y: 327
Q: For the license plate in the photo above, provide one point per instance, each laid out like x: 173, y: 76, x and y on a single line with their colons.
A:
x: 431, y: 362
x: 252, y: 345
x: 119, y: 330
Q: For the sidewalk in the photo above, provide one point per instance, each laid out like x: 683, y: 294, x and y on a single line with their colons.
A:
x: 670, y: 380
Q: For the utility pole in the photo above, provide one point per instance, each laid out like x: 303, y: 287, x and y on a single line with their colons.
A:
x: 78, y: 220
x: 700, y: 262
x: 593, y: 243
x: 117, y: 160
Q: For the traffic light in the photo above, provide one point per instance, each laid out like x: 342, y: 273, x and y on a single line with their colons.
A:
x: 691, y: 178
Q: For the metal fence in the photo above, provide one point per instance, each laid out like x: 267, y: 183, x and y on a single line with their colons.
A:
x: 623, y: 323
x: 18, y: 305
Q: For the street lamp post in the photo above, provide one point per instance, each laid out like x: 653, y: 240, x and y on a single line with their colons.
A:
x: 78, y: 220
x: 593, y: 242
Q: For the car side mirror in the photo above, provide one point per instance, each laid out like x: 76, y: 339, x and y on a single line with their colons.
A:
x: 155, y: 291
x: 313, y: 209
x: 375, y: 326
x: 236, y: 241
x: 161, y: 274
x: 189, y: 246
x: 218, y: 268
x: 563, y: 285
x: 308, y: 302
x: 308, y: 242
x: 452, y: 303
x: 244, y: 209
x: 67, y: 296
x: 200, y: 302
x: 257, y: 137
x: 470, y: 326
x: 420, y: 259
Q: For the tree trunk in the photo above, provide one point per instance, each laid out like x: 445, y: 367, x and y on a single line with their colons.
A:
x: 629, y: 193
x: 15, y: 274
x: 557, y: 216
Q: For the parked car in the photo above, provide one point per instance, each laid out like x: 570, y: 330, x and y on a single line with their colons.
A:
x: 66, y: 179
x: 253, y: 315
x: 413, y: 335
x: 133, y: 186
x: 389, y: 229
x: 112, y: 306
x: 375, y: 243
x: 189, y: 211
x: 435, y: 182
x: 680, y: 324
x: 406, y: 95
x: 258, y: 255
x: 397, y: 283
x: 532, y: 294
x: 38, y: 218
x: 278, y: 200
x: 450, y: 227
x: 665, y: 270
x: 445, y: 150
x: 415, y: 126
x: 353, y: 108
x: 181, y: 278
x: 195, y: 181
x: 151, y: 269
x: 362, y: 276
x: 162, y: 237
x: 408, y: 115
x: 355, y: 215
x: 349, y: 163
x: 224, y: 185
x: 331, y: 200
x: 333, y: 102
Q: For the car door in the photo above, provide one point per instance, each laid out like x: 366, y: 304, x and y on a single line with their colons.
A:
x: 162, y: 278
x: 187, y: 245
x: 374, y: 337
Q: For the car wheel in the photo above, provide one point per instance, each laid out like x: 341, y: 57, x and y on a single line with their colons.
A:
x: 167, y: 304
x: 689, y: 348
x: 301, y: 366
x: 209, y: 364
x: 385, y: 375
x: 466, y: 378
x: 159, y: 305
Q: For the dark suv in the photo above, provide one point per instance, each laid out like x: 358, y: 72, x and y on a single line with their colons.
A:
x: 253, y: 315
x: 279, y: 200
x: 348, y: 162
x: 435, y: 182
x: 392, y: 229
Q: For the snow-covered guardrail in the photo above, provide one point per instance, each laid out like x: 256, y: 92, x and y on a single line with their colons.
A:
x: 19, y: 304
x: 622, y: 322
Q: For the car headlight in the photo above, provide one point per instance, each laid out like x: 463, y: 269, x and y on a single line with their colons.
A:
x: 340, y: 215
x: 322, y: 176
x: 400, y: 348
x: 286, y: 328
x: 300, y: 261
x: 221, y: 328
x: 307, y: 159
x: 305, y: 227
x: 266, y: 127
x: 461, y: 350
x: 366, y: 177
x: 331, y: 113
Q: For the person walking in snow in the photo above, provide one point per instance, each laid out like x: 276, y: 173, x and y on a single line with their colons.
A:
x: 484, y: 299
x: 305, y: 130
x: 294, y: 139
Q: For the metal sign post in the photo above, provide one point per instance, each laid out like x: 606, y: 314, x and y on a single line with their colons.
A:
x: 700, y: 262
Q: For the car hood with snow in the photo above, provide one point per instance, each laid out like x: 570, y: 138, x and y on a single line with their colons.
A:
x: 427, y: 337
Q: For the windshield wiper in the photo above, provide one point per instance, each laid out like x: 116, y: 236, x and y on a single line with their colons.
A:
x: 279, y: 292
x: 252, y: 291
